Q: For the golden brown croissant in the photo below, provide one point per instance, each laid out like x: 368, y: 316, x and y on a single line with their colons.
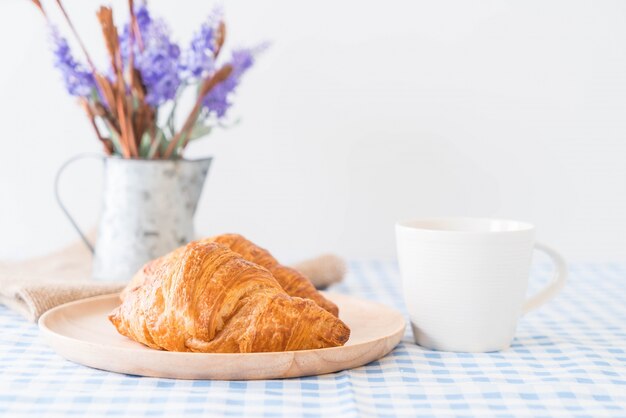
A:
x: 204, y: 297
x: 294, y: 283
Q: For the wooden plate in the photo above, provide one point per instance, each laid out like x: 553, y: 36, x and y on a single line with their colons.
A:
x: 81, y: 332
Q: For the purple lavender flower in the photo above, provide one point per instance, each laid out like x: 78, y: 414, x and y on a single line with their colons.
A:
x: 158, y: 62
x: 199, y: 60
x: 78, y: 79
x: 217, y: 101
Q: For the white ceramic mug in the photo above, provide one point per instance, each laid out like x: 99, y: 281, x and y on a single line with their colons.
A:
x: 465, y: 280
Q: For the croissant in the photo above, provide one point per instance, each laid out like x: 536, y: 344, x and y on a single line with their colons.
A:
x: 294, y: 283
x: 203, y: 297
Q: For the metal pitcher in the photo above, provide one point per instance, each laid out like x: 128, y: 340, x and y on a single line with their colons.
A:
x: 147, y: 210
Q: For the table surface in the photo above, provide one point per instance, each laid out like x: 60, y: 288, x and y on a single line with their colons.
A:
x: 568, y: 359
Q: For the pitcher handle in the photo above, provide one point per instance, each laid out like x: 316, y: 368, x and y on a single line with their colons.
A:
x: 57, y: 196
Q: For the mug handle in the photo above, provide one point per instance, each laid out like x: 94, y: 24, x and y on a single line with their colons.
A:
x: 555, y: 285
x: 57, y: 195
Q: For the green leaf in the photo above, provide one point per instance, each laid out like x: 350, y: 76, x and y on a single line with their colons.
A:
x: 117, y: 147
x: 199, y: 130
x: 144, y: 145
x: 159, y: 140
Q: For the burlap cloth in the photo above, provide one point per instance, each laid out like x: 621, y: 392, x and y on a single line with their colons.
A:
x: 31, y: 287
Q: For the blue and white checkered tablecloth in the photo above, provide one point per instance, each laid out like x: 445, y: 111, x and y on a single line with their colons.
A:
x: 568, y: 359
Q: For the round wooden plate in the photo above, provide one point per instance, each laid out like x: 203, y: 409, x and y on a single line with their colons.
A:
x: 81, y: 332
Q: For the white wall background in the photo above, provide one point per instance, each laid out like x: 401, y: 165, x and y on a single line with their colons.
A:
x: 362, y: 113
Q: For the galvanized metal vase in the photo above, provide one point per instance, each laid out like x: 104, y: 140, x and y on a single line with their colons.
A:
x: 148, y: 208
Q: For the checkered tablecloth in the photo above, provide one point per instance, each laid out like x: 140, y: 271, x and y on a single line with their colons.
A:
x: 568, y: 359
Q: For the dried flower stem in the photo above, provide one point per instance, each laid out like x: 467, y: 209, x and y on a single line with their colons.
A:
x: 153, y: 152
x: 106, y: 142
x: 123, y: 107
x: 80, y: 41
x: 131, y: 49
x: 102, y: 83
x: 106, y: 91
x: 134, y: 26
x: 123, y: 129
x: 219, y: 76
x: 110, y: 121
x: 220, y: 37
x: 37, y: 3
x: 145, y: 116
